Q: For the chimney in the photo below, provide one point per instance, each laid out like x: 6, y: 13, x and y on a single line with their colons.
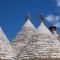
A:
x: 52, y: 29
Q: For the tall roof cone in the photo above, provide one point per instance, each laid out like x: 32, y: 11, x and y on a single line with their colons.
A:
x: 5, y: 47
x: 23, y: 36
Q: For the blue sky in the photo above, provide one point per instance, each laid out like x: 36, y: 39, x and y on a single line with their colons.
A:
x: 12, y: 14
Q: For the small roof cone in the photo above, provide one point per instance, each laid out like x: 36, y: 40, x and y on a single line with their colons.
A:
x: 42, y: 28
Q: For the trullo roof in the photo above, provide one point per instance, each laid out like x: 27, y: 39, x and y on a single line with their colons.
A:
x: 6, y: 51
x: 43, y: 44
x: 42, y: 29
x: 23, y: 36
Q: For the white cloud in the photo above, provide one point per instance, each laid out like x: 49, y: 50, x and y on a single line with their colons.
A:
x: 57, y: 18
x: 57, y: 24
x: 58, y: 3
x: 52, y: 18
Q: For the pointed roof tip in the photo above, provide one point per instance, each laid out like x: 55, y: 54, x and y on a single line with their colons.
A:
x: 42, y: 29
x: 28, y: 24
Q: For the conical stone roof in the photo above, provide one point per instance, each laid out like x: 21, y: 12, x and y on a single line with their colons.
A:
x: 42, y: 29
x: 41, y: 45
x: 23, y: 36
x: 6, y: 51
x: 28, y: 24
